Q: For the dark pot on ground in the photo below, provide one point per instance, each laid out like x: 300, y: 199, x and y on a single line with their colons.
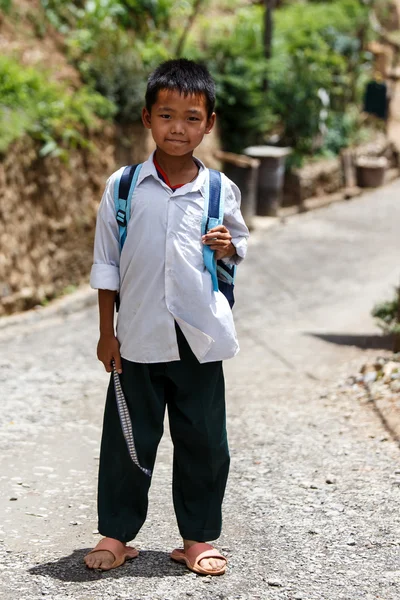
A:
x: 270, y: 178
x: 371, y: 171
x: 243, y: 171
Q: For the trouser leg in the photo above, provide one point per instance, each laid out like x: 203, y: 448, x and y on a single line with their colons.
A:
x: 123, y: 487
x: 196, y: 408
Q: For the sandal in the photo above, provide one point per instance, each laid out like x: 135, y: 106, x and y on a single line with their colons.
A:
x: 120, y: 551
x: 195, y: 554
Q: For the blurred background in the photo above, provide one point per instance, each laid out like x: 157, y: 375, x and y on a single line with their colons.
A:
x: 308, y: 105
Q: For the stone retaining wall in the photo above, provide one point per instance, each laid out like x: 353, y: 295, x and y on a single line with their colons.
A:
x: 327, y: 176
x: 48, y: 212
x: 47, y: 215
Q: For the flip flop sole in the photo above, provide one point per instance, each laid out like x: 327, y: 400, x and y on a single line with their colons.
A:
x: 123, y: 559
x: 179, y: 556
x: 128, y: 553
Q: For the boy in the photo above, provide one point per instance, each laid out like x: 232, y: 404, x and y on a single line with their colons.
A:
x: 173, y: 330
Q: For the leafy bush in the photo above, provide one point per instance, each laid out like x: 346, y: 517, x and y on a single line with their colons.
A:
x: 317, y: 72
x: 387, y: 315
x: 59, y: 118
x: 5, y: 5
x: 115, y: 44
x: 238, y: 68
x: 140, y: 16
x: 318, y: 53
x: 119, y: 69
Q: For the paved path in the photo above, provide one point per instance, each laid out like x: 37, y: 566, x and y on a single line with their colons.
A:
x: 311, y: 509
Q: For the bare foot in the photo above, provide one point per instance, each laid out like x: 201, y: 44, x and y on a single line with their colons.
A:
x: 101, y: 559
x: 210, y: 564
x: 109, y: 554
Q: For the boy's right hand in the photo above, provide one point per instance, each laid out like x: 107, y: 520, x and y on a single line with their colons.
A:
x: 108, y: 350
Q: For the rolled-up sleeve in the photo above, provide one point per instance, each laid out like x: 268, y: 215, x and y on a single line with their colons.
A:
x: 105, y: 269
x: 234, y: 222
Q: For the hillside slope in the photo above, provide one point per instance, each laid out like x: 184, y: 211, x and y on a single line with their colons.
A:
x: 48, y: 204
x: 23, y: 33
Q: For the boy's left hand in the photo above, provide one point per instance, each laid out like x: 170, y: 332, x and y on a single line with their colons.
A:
x: 219, y: 239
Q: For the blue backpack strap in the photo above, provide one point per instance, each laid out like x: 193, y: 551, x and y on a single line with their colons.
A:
x: 213, y: 215
x: 222, y: 274
x: 123, y: 191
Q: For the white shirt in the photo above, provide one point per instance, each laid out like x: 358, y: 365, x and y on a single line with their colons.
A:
x: 161, y: 275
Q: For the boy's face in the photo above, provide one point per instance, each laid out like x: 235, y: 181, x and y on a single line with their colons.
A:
x: 178, y: 123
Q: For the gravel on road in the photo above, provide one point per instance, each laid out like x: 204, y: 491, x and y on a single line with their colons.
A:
x: 311, y: 510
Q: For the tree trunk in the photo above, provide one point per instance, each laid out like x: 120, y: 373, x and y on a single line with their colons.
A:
x: 197, y: 5
x: 268, y: 33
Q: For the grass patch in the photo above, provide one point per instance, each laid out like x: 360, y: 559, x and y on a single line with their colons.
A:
x: 60, y: 118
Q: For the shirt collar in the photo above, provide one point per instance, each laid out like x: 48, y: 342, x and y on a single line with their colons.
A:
x: 198, y: 185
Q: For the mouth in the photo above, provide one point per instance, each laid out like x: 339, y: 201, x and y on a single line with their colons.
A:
x: 176, y: 141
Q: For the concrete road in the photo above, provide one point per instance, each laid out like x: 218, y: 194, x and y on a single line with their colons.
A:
x: 311, y: 509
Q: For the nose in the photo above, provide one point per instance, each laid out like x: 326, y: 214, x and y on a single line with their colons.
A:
x: 178, y: 127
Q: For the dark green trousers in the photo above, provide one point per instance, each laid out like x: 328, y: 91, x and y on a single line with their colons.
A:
x: 195, y: 397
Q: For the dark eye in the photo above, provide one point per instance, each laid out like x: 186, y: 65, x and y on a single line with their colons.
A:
x: 165, y: 116
x: 194, y: 119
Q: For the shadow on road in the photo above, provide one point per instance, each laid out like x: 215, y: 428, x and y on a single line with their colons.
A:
x: 150, y: 563
x: 376, y: 342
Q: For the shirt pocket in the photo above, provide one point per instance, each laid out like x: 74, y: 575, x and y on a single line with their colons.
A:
x: 192, y: 244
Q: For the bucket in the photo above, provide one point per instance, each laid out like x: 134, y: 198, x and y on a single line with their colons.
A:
x: 370, y: 171
x: 243, y: 171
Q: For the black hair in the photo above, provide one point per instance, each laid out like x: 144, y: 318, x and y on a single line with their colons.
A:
x: 185, y: 76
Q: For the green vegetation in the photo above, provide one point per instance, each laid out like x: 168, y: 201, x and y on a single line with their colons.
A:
x: 141, y: 16
x: 315, y: 78
x: 388, y: 315
x: 318, y: 72
x: 231, y: 49
x: 48, y: 112
x: 115, y: 44
x: 307, y: 95
x: 5, y: 5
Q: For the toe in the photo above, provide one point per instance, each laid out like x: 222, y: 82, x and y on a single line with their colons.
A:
x: 212, y: 564
x: 215, y: 564
x: 97, y: 564
x: 106, y: 561
x: 205, y: 563
x: 100, y: 560
x: 221, y: 564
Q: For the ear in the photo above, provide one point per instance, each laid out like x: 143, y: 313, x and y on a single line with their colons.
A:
x: 146, y: 118
x: 211, y: 123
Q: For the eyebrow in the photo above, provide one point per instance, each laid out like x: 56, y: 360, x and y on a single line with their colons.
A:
x: 168, y: 108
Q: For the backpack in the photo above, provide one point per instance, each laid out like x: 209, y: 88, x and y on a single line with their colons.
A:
x: 222, y: 275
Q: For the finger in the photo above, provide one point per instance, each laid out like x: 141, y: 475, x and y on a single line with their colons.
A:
x: 220, y: 241
x: 220, y: 236
x: 217, y: 234
x: 218, y: 244
x: 225, y: 237
x: 118, y: 362
x: 221, y: 228
x: 219, y: 250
